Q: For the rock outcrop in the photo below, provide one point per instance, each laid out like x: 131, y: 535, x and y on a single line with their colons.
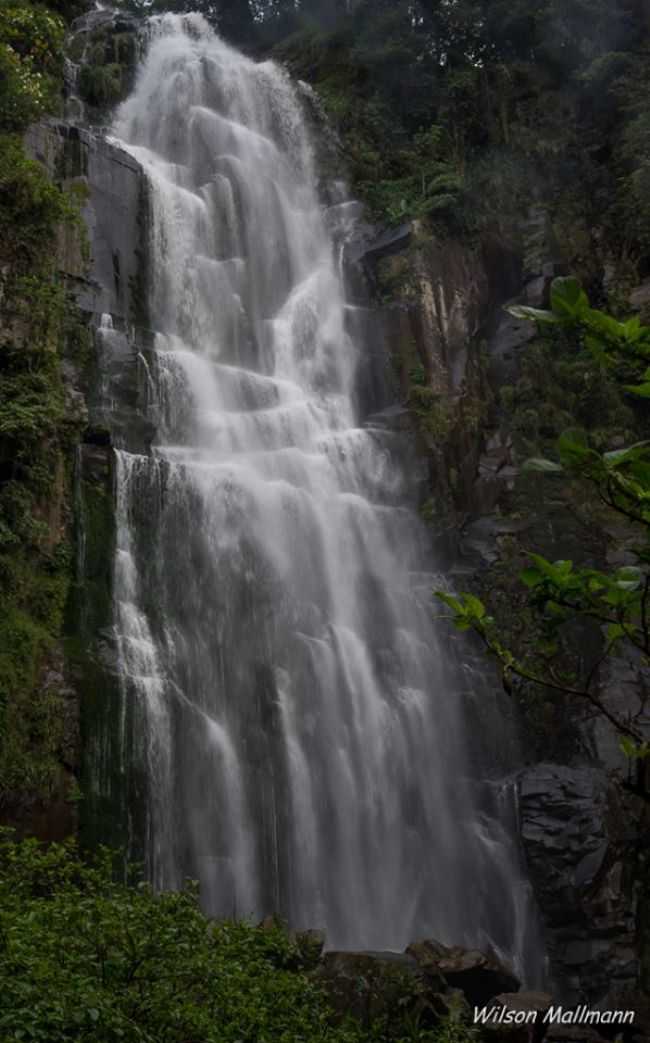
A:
x: 478, y: 975
x: 575, y: 845
x: 102, y: 263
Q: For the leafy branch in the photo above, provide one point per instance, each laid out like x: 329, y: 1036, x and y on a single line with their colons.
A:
x: 618, y: 601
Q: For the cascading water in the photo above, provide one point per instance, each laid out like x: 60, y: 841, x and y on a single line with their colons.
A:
x: 285, y: 693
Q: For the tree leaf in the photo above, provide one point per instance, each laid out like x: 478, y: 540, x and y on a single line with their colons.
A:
x: 604, y: 325
x: 531, y: 577
x: 615, y: 632
x: 522, y: 311
x: 538, y: 463
x: 451, y: 601
x: 642, y: 390
x: 629, y: 577
x: 573, y: 448
x: 628, y: 455
x: 474, y: 606
x: 568, y: 299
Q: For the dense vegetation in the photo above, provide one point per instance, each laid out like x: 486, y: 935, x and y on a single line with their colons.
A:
x: 36, y: 432
x: 615, y: 482
x: 470, y: 111
x: 86, y: 959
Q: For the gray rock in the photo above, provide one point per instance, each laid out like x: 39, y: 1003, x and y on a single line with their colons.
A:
x: 536, y: 292
x: 478, y: 975
x: 390, y: 241
x: 583, y: 895
x: 510, y: 337
x: 538, y: 1001
x: 520, y: 1003
x: 640, y: 296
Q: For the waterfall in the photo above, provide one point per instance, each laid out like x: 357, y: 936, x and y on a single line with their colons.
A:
x: 295, y: 712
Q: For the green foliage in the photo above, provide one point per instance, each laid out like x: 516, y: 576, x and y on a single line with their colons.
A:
x: 609, y: 341
x: 427, y: 184
x: 433, y: 412
x: 87, y: 959
x: 101, y: 85
x: 31, y: 717
x: 618, y: 600
x: 108, y: 68
x: 546, y: 101
x: 36, y: 433
x: 31, y: 63
x: 29, y: 204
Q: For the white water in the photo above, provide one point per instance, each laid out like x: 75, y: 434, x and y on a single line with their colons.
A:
x: 297, y: 716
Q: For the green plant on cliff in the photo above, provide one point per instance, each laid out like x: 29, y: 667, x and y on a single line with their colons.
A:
x: 36, y: 432
x: 616, y: 601
x: 31, y: 63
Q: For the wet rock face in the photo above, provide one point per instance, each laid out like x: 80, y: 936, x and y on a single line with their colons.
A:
x: 109, y: 283
x: 52, y: 817
x: 104, y: 267
x: 436, y: 297
x: 581, y: 881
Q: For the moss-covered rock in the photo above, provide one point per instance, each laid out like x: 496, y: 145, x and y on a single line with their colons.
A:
x: 106, y: 52
x: 40, y: 420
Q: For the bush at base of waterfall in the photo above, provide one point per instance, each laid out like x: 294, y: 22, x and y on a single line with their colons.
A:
x: 85, y: 958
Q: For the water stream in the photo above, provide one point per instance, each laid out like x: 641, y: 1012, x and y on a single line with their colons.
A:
x: 293, y: 707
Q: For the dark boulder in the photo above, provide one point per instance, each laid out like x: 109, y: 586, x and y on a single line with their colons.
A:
x: 575, y: 842
x: 388, y: 242
x: 522, y: 1003
x: 478, y: 975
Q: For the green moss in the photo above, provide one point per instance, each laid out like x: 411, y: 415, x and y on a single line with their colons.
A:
x: 37, y: 433
x: 31, y: 715
x: 101, y: 85
x: 109, y: 811
x: 108, y: 67
x: 557, y: 389
x: 95, y: 522
x: 125, y: 49
x: 396, y: 277
x: 433, y: 412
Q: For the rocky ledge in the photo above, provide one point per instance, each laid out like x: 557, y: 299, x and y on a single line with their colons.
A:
x: 431, y: 983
